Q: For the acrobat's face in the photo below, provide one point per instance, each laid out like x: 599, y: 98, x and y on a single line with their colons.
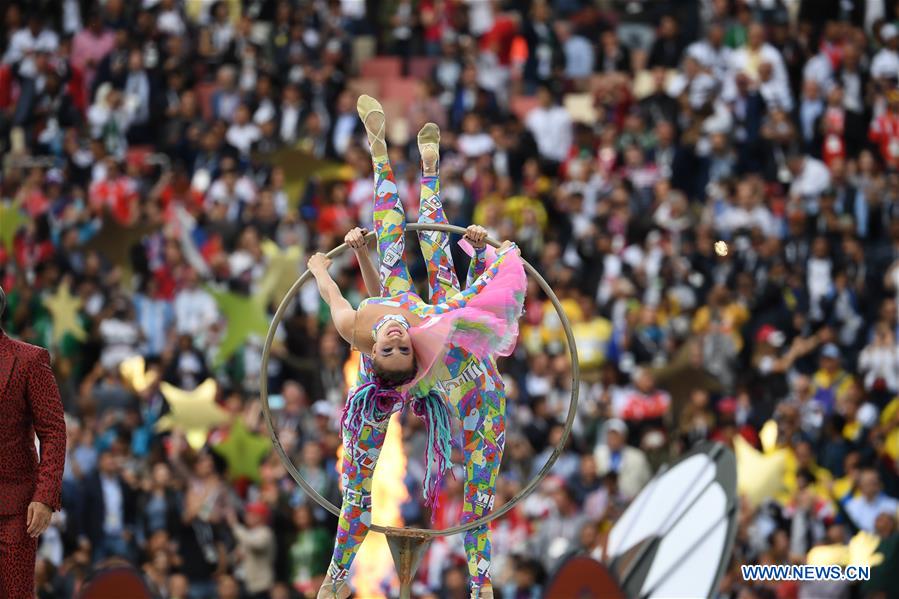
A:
x: 393, y: 347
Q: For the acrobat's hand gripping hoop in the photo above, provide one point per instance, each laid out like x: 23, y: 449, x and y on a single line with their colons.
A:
x: 408, y: 544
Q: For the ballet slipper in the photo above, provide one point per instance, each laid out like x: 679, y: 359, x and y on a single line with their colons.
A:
x: 372, y: 115
x: 429, y: 148
x: 333, y: 590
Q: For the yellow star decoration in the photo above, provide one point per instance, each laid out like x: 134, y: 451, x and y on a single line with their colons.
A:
x: 63, y: 307
x: 760, y: 476
x: 11, y: 219
x: 861, y: 551
x: 244, y: 451
x: 135, y: 374
x: 768, y: 436
x: 281, y: 271
x: 194, y: 412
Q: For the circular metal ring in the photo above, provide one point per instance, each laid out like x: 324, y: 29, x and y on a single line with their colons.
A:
x: 423, y: 532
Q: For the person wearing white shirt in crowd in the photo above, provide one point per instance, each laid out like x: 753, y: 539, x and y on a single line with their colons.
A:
x: 747, y: 211
x: 615, y: 455
x: 195, y: 309
x: 243, y: 132
x: 870, y: 502
x: 120, y: 334
x: 756, y: 52
x: 879, y: 361
x: 711, y: 52
x: 885, y: 64
x: 168, y: 19
x: 550, y: 124
x: 109, y: 118
x: 474, y: 141
x: 27, y: 41
x: 818, y: 68
x: 231, y: 189
x: 810, y: 177
x: 774, y: 90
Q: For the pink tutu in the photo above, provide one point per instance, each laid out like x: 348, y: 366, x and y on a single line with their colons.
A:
x: 485, y: 325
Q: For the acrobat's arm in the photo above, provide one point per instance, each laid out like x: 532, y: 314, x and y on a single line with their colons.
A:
x: 356, y: 240
x: 476, y: 236
x: 341, y: 311
x: 462, y: 298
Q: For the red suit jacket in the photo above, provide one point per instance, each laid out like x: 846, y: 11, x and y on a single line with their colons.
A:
x: 29, y: 404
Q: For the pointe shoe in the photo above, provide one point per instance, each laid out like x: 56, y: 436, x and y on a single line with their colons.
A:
x: 372, y: 115
x: 429, y: 148
x: 334, y: 590
x: 484, y: 592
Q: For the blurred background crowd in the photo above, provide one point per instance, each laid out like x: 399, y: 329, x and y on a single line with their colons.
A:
x: 167, y: 164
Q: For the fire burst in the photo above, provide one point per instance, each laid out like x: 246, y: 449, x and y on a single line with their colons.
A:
x: 373, y: 573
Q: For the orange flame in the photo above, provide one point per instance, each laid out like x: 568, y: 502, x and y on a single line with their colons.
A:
x: 373, y: 568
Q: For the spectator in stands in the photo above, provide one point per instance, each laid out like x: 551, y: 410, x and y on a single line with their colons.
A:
x: 871, y: 502
x: 615, y: 455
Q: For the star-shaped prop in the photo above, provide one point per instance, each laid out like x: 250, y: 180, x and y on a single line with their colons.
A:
x: 281, y: 272
x: 11, y: 218
x: 243, y: 451
x: 861, y: 551
x: 63, y: 307
x: 245, y: 315
x: 760, y: 476
x: 134, y: 372
x: 114, y: 241
x: 194, y: 412
x: 300, y: 166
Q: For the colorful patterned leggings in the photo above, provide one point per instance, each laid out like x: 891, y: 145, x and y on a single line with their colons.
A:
x: 475, y: 387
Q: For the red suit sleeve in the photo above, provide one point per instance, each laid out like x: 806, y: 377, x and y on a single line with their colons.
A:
x: 50, y: 427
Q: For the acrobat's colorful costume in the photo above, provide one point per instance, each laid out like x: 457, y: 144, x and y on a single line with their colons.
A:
x: 473, y: 324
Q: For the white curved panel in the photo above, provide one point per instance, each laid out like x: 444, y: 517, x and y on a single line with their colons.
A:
x: 687, y: 560
x: 661, y: 502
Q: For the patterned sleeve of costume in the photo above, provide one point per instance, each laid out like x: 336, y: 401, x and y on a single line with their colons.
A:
x: 390, y: 228
x: 481, y: 258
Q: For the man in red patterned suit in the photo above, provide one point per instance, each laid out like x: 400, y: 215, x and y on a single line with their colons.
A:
x: 30, y: 489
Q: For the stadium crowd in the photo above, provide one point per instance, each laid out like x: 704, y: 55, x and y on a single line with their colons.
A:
x: 155, y: 151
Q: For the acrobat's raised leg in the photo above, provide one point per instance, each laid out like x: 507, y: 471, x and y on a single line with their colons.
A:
x: 442, y: 279
x: 389, y: 216
x: 360, y: 455
x: 480, y: 401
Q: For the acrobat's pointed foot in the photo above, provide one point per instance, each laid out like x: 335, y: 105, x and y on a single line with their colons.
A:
x: 372, y: 115
x: 484, y: 592
x: 331, y: 589
x: 429, y: 148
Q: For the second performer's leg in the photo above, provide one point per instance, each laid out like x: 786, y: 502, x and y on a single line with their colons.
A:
x: 442, y: 278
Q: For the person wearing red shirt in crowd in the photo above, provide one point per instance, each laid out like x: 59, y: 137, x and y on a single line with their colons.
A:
x: 642, y: 405
x: 885, y: 131
x: 116, y: 192
x: 335, y: 214
x: 833, y: 127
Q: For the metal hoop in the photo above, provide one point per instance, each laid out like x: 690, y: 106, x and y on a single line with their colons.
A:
x: 423, y: 532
